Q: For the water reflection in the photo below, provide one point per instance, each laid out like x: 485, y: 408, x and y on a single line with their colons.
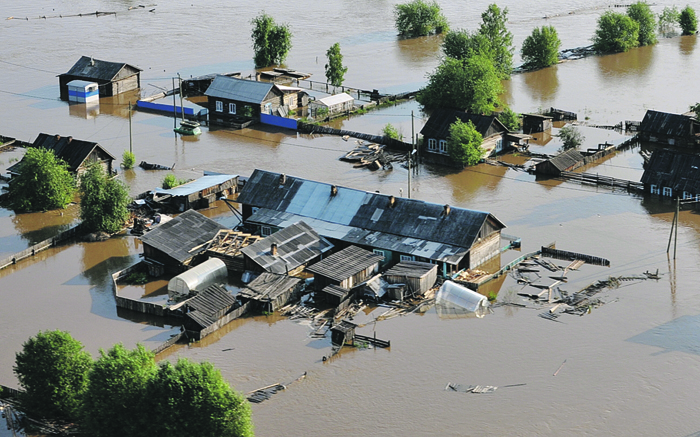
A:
x: 84, y: 110
x: 687, y: 44
x: 418, y: 50
x: 543, y: 84
x: 467, y: 183
x: 636, y: 62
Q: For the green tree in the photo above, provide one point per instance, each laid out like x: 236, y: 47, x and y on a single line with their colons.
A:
x: 43, y: 183
x: 191, y: 399
x: 509, y: 118
x: 462, y: 44
x: 571, y: 137
x: 541, y: 48
x: 641, y: 13
x: 52, y: 368
x: 390, y: 131
x: 271, y: 41
x: 471, y: 84
x: 688, y: 21
x: 464, y: 143
x: 668, y: 19
x: 419, y: 18
x: 128, y: 160
x: 493, y: 27
x: 615, y: 33
x: 116, y: 400
x: 696, y: 109
x: 103, y: 201
x: 335, y: 71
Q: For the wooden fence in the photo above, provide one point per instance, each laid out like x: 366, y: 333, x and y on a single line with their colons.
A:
x: 389, y: 142
x: 9, y: 393
x: 571, y: 256
x: 174, y: 339
x: 42, y: 245
x: 595, y: 179
x: 134, y: 304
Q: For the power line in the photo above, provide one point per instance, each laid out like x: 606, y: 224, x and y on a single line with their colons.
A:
x: 31, y: 68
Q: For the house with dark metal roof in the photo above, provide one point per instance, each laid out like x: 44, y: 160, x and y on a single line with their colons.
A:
x: 672, y: 174
x: 76, y: 153
x: 534, y: 123
x: 437, y: 130
x: 176, y: 243
x: 672, y: 129
x: 197, y: 194
x: 345, y: 269
x: 565, y: 161
x: 233, y: 101
x: 287, y: 251
x: 272, y: 291
x: 112, y: 77
x: 397, y: 229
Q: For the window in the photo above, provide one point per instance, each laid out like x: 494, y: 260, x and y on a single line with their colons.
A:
x: 231, y: 108
x: 380, y: 253
x: 687, y: 195
x: 432, y: 144
x: 667, y: 191
x: 654, y: 189
x: 219, y: 106
x: 407, y: 258
x: 265, y: 231
x: 697, y: 197
x: 499, y: 145
x: 443, y: 146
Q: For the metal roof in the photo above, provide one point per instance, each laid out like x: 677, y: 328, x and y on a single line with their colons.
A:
x: 81, y: 83
x: 566, y: 159
x: 344, y: 264
x: 73, y: 151
x: 336, y: 99
x: 209, y: 305
x: 197, y: 185
x: 678, y: 171
x: 297, y: 244
x: 178, y: 237
x: 231, y: 88
x: 336, y: 291
x: 268, y: 286
x: 96, y: 69
x: 674, y: 125
x: 438, y: 126
x: 411, y: 269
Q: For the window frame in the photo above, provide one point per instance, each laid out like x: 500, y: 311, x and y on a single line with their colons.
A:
x: 219, y: 106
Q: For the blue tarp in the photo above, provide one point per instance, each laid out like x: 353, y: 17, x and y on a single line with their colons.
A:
x: 161, y: 107
x: 273, y: 120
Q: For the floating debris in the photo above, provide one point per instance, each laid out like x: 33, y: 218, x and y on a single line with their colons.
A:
x: 265, y: 393
x: 372, y: 156
x: 478, y: 389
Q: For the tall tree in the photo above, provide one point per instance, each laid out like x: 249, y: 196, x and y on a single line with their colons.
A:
x: 43, y: 183
x: 493, y: 27
x: 335, y: 71
x: 52, y: 368
x: 471, y: 84
x: 271, y: 41
x: 103, y: 201
x: 688, y: 21
x: 464, y: 143
x: 615, y: 33
x: 641, y: 13
x: 462, y: 44
x: 419, y: 18
x: 541, y: 48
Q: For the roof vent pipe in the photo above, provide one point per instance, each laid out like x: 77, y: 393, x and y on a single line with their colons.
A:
x: 283, y: 179
x: 58, y: 137
x: 273, y: 249
x: 92, y: 61
x: 392, y: 201
x: 70, y: 139
x: 446, y: 210
x: 334, y: 190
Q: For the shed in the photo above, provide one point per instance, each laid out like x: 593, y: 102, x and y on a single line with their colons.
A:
x: 565, y: 161
x: 177, y: 242
x: 671, y: 129
x: 227, y: 246
x: 197, y: 194
x: 335, y: 295
x: 334, y: 104
x: 272, y: 291
x: 534, y: 123
x: 673, y: 174
x: 231, y: 100
x: 294, y: 97
x: 418, y: 276
x: 83, y: 91
x: 287, y: 251
x: 346, y: 268
x: 210, y: 309
x: 112, y: 78
x: 197, y: 278
x: 343, y: 333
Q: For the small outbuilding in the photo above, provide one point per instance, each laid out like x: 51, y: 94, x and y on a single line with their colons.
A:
x: 197, y: 194
x: 670, y: 129
x: 419, y: 277
x: 209, y: 310
x: 197, y: 278
x: 343, y: 333
x: 112, y: 78
x: 333, y: 104
x: 565, y: 161
x: 346, y: 268
x: 335, y: 295
x: 534, y: 123
x: 272, y: 291
x: 83, y: 91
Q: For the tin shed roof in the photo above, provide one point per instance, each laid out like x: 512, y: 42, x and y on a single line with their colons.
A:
x: 674, y: 125
x: 344, y: 264
x: 679, y: 171
x: 566, y: 159
x: 231, y: 88
x: 197, y: 185
x: 96, y: 69
x: 268, y: 286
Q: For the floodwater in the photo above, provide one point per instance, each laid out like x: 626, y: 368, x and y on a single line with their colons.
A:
x: 631, y: 365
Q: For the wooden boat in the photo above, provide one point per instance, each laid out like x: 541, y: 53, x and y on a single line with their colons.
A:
x: 148, y: 166
x: 188, y: 127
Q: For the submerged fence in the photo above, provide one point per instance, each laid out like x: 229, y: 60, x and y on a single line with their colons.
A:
x: 379, y: 139
x: 38, y: 247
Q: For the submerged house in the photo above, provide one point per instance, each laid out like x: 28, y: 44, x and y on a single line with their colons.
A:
x: 418, y: 277
x: 565, y: 161
x: 112, y: 78
x: 534, y: 123
x: 78, y: 154
x: 670, y: 129
x: 197, y: 194
x: 271, y: 292
x: 232, y: 101
x: 437, y: 130
x: 672, y: 174
x: 397, y: 229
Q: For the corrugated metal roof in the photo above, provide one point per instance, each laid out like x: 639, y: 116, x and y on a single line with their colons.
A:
x: 241, y: 90
x: 411, y: 269
x: 674, y: 125
x: 566, y: 159
x: 336, y: 291
x: 73, y: 151
x: 679, y: 171
x: 268, y: 286
x: 98, y: 70
x: 344, y: 264
x: 336, y: 99
x: 438, y: 126
x: 210, y: 304
x: 183, y: 233
x: 197, y: 185
x: 297, y: 244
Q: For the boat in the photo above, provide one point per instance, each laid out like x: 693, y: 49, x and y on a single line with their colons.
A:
x: 188, y: 127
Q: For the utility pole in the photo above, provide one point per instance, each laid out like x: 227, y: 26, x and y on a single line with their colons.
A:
x: 182, y: 110
x: 174, y: 105
x: 410, y: 155
x: 131, y: 136
x: 675, y: 238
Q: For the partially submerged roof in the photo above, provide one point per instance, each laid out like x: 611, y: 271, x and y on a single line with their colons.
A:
x: 209, y: 305
x: 180, y: 237
x: 538, y: 116
x: 679, y: 171
x: 196, y: 185
x: 73, y: 151
x: 268, y: 286
x: 96, y: 69
x: 296, y: 245
x: 344, y: 264
x: 438, y: 126
x: 344, y: 326
x: 231, y: 88
x: 411, y: 269
x: 673, y: 125
x: 335, y: 99
x: 566, y: 159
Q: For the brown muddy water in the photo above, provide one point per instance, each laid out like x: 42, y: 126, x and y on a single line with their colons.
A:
x: 631, y: 365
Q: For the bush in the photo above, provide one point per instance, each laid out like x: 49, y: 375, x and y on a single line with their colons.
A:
x: 271, y: 41
x: 136, y: 279
x: 541, y: 48
x: 615, y: 33
x: 128, y: 160
x: 390, y: 131
x: 43, y: 183
x: 668, y: 19
x: 103, y: 201
x: 641, y: 13
x: 464, y: 143
x: 571, y: 137
x: 419, y: 18
x: 335, y: 71
x: 510, y: 119
x: 171, y: 181
x: 688, y: 21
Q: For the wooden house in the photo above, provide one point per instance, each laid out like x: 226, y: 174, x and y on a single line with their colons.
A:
x: 397, y: 229
x: 419, y: 277
x: 669, y: 129
x: 334, y: 104
x: 346, y: 268
x: 227, y: 246
x: 78, y: 154
x: 437, y: 130
x: 287, y: 251
x: 197, y: 194
x: 173, y: 245
x: 535, y: 123
x: 343, y: 333
x: 565, y: 161
x: 293, y: 97
x: 112, y: 78
x: 672, y: 174
x: 271, y: 291
x: 232, y: 101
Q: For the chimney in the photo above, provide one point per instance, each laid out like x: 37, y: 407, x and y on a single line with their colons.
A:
x: 392, y: 201
x: 334, y: 190
x: 58, y: 137
x: 92, y: 61
x: 283, y: 179
x: 273, y: 249
x: 70, y: 139
x: 446, y: 210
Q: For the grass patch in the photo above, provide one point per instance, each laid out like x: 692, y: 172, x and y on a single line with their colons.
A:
x: 136, y: 279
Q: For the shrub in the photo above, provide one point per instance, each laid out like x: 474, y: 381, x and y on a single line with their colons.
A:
x: 464, y: 143
x: 571, y: 137
x: 615, y: 33
x: 271, y: 41
x: 688, y: 21
x: 668, y: 19
x: 419, y: 18
x: 390, y: 131
x: 128, y: 160
x: 171, y: 181
x: 541, y: 48
x: 509, y: 118
x: 103, y: 201
x: 641, y: 13
x: 43, y: 183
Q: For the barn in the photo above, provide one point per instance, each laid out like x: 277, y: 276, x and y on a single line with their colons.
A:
x: 112, y: 78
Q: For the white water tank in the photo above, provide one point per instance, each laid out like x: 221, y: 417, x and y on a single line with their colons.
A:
x: 197, y: 278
